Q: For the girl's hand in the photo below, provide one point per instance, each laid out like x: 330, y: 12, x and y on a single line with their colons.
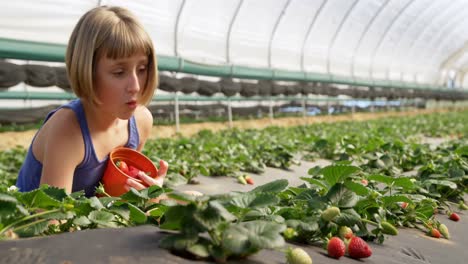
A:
x: 159, y: 180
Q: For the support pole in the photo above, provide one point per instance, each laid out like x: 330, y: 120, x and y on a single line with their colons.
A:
x: 230, y: 113
x: 271, y: 110
x: 176, y: 111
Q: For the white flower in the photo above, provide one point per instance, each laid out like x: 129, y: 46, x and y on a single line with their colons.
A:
x: 12, y: 188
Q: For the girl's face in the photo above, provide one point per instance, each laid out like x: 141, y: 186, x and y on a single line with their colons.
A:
x: 119, y: 84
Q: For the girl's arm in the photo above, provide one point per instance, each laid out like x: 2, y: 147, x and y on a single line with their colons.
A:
x: 61, y: 149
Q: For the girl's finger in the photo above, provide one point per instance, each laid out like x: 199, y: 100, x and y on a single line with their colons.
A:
x: 147, y: 179
x: 163, y: 167
x: 136, y: 185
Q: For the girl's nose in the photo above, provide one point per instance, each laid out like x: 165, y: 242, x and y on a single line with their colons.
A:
x: 134, y: 83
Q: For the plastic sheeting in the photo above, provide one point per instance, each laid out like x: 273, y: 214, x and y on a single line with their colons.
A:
x: 412, y: 41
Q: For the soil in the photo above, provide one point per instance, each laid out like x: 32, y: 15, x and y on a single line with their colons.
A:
x: 10, y: 140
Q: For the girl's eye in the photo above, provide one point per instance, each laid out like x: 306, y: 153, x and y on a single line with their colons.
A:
x: 118, y: 73
x: 142, y: 69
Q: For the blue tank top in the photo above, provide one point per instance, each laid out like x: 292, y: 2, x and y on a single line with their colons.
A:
x: 89, y: 172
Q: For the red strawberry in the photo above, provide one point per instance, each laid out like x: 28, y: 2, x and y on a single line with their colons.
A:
x: 336, y: 248
x: 364, y: 182
x: 132, y: 171
x: 358, y: 248
x: 435, y: 233
x: 122, y: 165
x: 454, y: 217
x: 404, y: 205
x: 249, y: 180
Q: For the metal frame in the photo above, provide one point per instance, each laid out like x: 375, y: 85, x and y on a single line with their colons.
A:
x: 337, y: 32
x: 455, y: 19
x: 176, y: 29
x: 309, y: 29
x: 442, y: 16
x: 396, y: 49
x: 228, y: 36
x: 363, y: 34
x: 443, y: 44
x: 273, y: 32
x: 379, y: 43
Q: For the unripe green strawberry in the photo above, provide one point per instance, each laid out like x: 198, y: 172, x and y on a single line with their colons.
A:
x: 297, y: 256
x: 336, y: 248
x: 289, y: 233
x: 242, y: 180
x: 444, y: 231
x: 462, y: 206
x: 330, y: 213
x: 345, y: 232
x: 388, y: 228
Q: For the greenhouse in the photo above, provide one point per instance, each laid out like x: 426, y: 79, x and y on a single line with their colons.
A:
x: 234, y: 131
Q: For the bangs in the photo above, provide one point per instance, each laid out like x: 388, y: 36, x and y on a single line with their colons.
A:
x: 125, y: 40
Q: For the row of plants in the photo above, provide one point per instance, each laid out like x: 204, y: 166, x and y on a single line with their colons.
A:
x: 363, y: 193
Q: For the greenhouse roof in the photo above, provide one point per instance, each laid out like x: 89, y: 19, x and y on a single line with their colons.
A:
x: 394, y: 43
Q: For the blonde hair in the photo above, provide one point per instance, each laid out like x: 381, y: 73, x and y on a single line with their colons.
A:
x: 114, y: 32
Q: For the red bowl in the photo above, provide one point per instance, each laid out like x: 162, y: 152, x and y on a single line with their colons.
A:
x: 114, y: 179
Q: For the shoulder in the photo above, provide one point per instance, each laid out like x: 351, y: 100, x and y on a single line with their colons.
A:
x: 61, y: 132
x: 144, y: 122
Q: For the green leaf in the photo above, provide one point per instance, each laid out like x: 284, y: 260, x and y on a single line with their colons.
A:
x: 254, y: 200
x: 178, y: 242
x: 39, y: 199
x: 32, y: 229
x: 82, y: 221
x: 8, y: 198
x: 347, y: 217
x: 320, y: 183
x: 388, y: 200
x: 56, y: 193
x: 301, y: 225
x: 274, y: 186
x: 236, y: 239
x: 462, y: 151
x: 95, y: 203
x: 381, y: 178
x: 263, y: 234
x: 199, y: 249
x: 337, y: 173
x: 447, y: 183
x: 102, y: 218
x: 176, y: 215
x: 358, y: 188
x: 340, y: 196
x: 136, y: 214
x: 221, y: 211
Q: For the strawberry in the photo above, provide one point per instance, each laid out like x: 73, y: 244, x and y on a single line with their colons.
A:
x: 330, y: 213
x: 297, y: 256
x: 454, y: 217
x: 132, y: 171
x: 249, y: 180
x: 242, y: 180
x: 122, y: 165
x: 364, y: 182
x: 336, y: 248
x: 388, y: 228
x: 444, y: 231
x: 462, y: 205
x: 289, y: 233
x: 345, y: 232
x: 358, y: 248
x: 403, y: 205
x: 435, y: 233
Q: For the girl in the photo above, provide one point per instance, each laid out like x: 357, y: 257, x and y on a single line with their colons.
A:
x: 112, y: 69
